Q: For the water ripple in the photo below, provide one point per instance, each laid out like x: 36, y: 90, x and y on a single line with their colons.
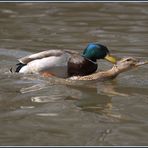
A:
x: 43, y: 99
x: 33, y: 88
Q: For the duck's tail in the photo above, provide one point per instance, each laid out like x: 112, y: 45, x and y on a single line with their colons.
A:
x: 17, y: 67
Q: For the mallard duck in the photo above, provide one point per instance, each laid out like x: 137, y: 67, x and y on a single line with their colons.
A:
x: 64, y: 63
x: 122, y: 65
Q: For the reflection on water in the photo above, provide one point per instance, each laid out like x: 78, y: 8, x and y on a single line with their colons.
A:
x: 38, y: 111
x: 33, y: 88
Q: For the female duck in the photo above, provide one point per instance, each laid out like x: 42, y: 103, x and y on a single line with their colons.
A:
x: 64, y: 63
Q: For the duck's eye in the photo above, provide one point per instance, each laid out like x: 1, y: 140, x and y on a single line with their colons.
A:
x: 128, y: 60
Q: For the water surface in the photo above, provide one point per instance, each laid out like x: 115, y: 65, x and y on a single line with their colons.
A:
x: 34, y: 111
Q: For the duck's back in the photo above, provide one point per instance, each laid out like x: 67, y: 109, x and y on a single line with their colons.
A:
x: 41, y: 55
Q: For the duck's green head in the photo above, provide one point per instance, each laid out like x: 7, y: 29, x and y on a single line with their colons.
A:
x: 97, y: 51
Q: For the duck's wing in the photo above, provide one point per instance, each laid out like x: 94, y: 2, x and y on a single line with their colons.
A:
x: 72, y: 52
x: 40, y: 55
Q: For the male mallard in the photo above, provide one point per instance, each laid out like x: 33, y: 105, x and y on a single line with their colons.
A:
x: 64, y: 63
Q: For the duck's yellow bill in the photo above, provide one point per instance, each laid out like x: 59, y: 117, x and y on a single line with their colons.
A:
x: 111, y: 58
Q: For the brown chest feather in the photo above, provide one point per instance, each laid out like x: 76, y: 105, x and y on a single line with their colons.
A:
x: 78, y: 65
